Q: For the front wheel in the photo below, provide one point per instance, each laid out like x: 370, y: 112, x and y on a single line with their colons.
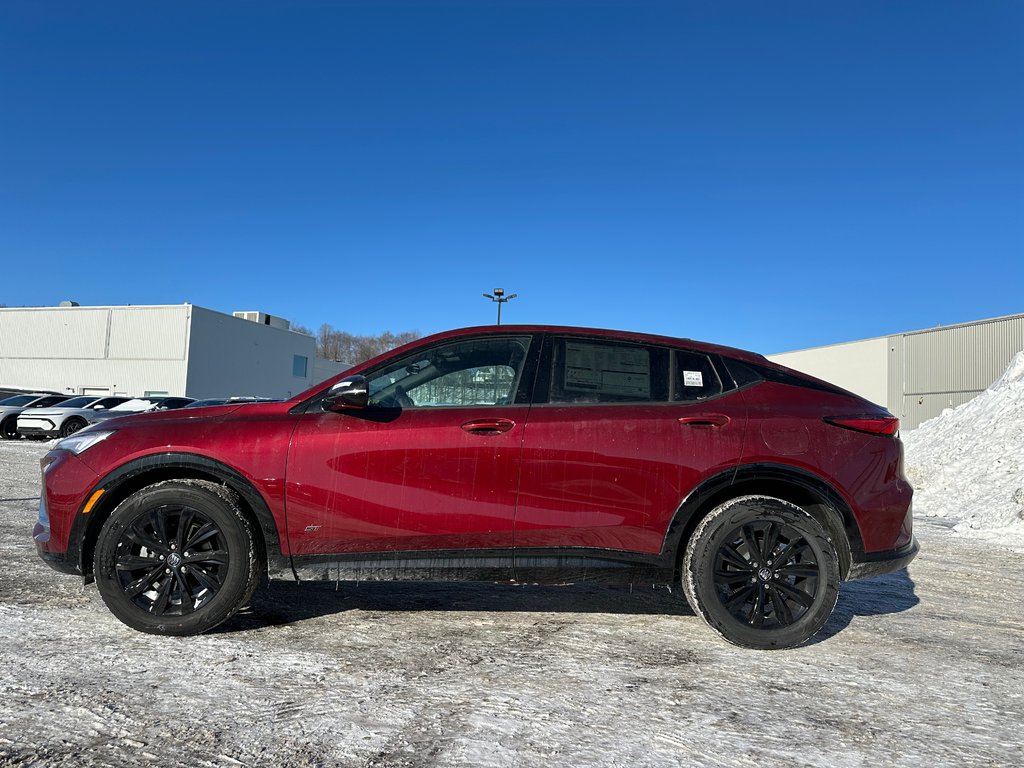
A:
x: 71, y: 426
x: 9, y: 428
x: 176, y: 558
x: 761, y: 572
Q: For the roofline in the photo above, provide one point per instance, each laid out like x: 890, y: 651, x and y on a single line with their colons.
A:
x: 102, y: 306
x: 640, y: 336
x: 984, y: 321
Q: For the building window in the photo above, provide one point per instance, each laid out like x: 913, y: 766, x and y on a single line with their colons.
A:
x: 299, y: 363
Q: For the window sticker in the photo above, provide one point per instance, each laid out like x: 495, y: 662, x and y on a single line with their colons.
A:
x: 693, y: 379
x: 609, y: 370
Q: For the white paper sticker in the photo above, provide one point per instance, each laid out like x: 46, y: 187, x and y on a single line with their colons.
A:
x: 693, y: 379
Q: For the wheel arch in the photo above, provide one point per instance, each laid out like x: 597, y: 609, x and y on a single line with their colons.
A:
x: 797, y: 486
x: 121, y: 483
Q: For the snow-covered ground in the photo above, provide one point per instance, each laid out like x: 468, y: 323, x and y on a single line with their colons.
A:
x: 967, y: 465
x: 920, y: 667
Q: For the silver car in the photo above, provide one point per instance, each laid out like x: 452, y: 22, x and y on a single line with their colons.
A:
x: 67, y: 418
x: 11, y: 407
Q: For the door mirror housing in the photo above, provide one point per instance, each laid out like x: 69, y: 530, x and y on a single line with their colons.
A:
x: 350, y: 392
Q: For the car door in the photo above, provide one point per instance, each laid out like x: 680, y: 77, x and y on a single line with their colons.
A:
x: 431, y: 465
x: 624, y: 432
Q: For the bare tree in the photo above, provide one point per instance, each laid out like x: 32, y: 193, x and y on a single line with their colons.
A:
x: 332, y: 344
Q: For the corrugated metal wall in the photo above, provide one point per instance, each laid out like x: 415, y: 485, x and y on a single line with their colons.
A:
x: 939, y: 368
x: 123, y: 350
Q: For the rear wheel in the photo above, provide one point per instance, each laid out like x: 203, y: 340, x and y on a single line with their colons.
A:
x: 71, y: 426
x: 177, y: 558
x: 761, y: 572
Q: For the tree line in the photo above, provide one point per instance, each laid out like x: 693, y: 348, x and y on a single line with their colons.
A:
x: 332, y: 344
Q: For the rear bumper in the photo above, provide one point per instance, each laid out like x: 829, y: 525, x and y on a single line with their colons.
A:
x: 865, y: 566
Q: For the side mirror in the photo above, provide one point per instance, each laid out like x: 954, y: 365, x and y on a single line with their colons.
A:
x: 350, y: 392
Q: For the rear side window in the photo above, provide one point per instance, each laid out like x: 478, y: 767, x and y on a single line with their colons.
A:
x: 18, y: 400
x: 596, y: 371
x: 694, y: 377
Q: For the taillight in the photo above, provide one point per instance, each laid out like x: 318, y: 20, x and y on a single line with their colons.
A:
x: 873, y: 425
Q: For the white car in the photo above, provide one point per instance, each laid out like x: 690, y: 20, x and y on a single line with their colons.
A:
x: 10, y: 407
x: 65, y: 419
x: 139, y: 405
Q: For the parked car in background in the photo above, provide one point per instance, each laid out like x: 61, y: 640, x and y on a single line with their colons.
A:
x: 529, y: 453
x: 139, y: 405
x: 230, y: 401
x: 66, y: 418
x: 11, y: 407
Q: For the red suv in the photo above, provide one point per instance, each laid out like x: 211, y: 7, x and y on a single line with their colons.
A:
x: 513, y: 452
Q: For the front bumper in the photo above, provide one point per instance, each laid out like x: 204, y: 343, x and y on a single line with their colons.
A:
x: 35, y: 427
x: 864, y: 566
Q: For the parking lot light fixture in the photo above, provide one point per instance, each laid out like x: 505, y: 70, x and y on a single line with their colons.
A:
x: 499, y: 298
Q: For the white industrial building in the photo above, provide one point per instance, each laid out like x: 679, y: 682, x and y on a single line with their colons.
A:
x: 179, y: 349
x: 917, y: 374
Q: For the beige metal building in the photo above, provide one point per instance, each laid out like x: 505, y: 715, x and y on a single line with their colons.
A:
x: 917, y: 374
x: 179, y: 349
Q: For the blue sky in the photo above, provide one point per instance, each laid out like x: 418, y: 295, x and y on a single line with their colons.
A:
x: 767, y: 175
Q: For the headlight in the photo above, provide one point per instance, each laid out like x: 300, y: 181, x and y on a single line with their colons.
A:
x: 83, y: 441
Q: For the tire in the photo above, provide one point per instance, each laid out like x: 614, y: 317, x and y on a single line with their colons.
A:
x: 9, y: 428
x: 733, y: 580
x: 71, y: 426
x: 177, y: 558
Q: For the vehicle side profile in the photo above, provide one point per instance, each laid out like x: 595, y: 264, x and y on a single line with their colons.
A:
x: 529, y: 453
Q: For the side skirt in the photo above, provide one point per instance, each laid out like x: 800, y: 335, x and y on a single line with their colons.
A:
x: 531, y: 567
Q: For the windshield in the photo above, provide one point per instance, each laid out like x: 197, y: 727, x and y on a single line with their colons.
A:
x: 78, y: 402
x: 18, y: 400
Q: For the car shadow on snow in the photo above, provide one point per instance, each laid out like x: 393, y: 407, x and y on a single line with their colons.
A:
x: 282, y: 602
x: 288, y: 602
x: 889, y: 593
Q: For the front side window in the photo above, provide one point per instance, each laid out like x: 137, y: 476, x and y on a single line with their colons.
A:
x: 473, y: 372
x: 598, y: 371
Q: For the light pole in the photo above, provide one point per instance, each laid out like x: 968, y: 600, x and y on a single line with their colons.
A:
x: 499, y: 298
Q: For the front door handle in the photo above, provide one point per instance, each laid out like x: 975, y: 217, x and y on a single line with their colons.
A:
x: 488, y: 426
x: 705, y: 420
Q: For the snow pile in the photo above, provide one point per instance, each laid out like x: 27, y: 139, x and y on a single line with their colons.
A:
x: 967, y: 464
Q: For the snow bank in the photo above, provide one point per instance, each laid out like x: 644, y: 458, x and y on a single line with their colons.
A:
x: 967, y: 464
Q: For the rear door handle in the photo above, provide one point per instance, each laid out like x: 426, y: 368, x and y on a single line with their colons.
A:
x: 488, y: 426
x: 705, y: 420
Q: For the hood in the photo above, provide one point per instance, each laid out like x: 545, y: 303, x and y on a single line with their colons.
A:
x: 202, y: 413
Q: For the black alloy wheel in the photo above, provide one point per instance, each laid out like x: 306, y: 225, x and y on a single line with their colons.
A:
x: 71, y: 426
x: 171, y: 561
x: 761, y: 572
x: 766, y: 574
x: 176, y: 558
